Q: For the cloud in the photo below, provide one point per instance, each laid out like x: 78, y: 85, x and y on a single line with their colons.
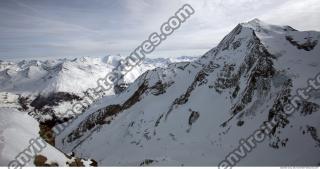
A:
x: 80, y: 28
x: 303, y: 15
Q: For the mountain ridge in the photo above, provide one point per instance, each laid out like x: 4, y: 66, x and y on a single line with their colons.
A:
x: 248, y: 73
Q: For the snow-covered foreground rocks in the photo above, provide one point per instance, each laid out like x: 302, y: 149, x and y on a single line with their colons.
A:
x: 195, y: 113
x: 16, y: 130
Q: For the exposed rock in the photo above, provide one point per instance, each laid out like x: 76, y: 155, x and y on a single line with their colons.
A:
x: 308, y: 108
x: 193, y: 117
x: 307, y: 46
x: 41, y: 161
x: 147, y: 162
x: 99, y: 117
x: 53, y: 99
x: 313, y: 132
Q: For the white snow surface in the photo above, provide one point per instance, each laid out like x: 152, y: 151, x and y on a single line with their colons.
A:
x: 16, y: 129
x: 156, y: 128
x: 33, y: 77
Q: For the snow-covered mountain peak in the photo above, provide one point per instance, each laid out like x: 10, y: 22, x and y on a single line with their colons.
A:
x: 207, y: 105
x: 112, y: 60
x: 265, y: 28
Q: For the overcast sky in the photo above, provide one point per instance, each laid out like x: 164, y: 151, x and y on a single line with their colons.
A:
x: 75, y: 28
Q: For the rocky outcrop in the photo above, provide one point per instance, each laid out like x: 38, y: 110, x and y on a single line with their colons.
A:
x: 105, y: 115
x: 307, y: 46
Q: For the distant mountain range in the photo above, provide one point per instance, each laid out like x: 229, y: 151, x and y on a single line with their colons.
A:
x: 64, y: 75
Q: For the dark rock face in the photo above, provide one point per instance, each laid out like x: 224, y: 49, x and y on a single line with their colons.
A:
x: 313, y: 133
x: 307, y: 46
x: 199, y: 80
x: 228, y: 40
x: 46, y: 131
x: 53, y: 99
x: 308, y: 108
x: 159, y: 88
x: 23, y: 102
x: 240, y: 123
x: 100, y: 116
x: 94, y: 163
x: 278, y: 115
x: 226, y: 78
x: 147, y: 162
x: 43, y: 106
x: 257, y: 69
x: 119, y: 88
x: 76, y: 163
x: 277, y: 112
x: 41, y: 161
x: 193, y: 117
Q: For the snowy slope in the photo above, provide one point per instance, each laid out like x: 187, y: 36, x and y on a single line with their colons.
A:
x: 16, y: 129
x: 40, y: 91
x: 195, y: 113
x: 48, y: 88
